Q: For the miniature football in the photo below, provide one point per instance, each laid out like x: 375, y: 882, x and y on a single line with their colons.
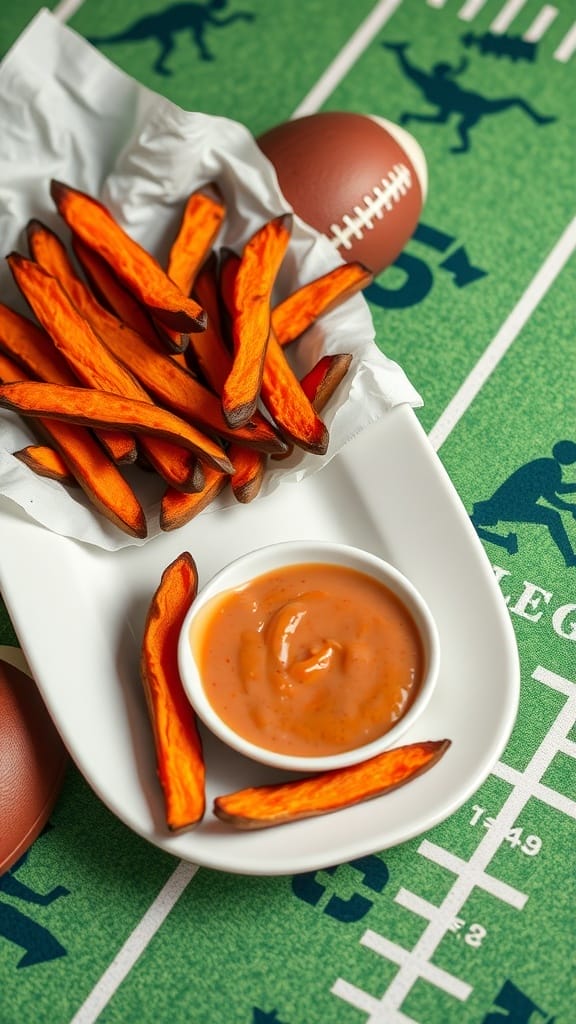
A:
x: 359, y: 180
x: 32, y: 764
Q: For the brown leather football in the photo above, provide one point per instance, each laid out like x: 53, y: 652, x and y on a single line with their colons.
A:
x: 32, y: 764
x: 359, y: 180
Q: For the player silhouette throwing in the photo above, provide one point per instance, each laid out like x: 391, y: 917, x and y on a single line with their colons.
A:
x: 520, y: 499
x: 440, y: 89
x: 167, y: 23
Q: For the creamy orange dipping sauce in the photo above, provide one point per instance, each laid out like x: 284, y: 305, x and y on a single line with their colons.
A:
x: 309, y: 660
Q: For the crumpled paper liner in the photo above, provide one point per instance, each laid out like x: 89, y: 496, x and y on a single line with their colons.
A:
x: 69, y: 113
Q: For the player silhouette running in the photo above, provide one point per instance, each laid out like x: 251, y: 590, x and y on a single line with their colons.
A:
x: 167, y: 23
x: 439, y: 88
x: 37, y: 941
x: 519, y: 500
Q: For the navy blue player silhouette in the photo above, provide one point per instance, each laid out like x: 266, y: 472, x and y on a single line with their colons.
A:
x: 532, y: 494
x: 38, y: 943
x: 439, y: 88
x: 163, y: 27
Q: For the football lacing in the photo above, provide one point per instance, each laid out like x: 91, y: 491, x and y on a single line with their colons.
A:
x: 384, y: 197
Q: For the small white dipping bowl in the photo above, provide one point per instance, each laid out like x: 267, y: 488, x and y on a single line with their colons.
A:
x: 263, y: 560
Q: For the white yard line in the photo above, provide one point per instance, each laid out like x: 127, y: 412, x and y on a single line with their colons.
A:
x: 567, y: 46
x: 506, y: 16
x: 470, y: 9
x: 541, y: 24
x: 66, y: 8
x: 509, y: 331
x: 347, y: 57
x: 136, y: 942
x: 470, y: 875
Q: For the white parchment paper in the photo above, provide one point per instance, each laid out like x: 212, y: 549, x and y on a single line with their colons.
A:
x: 66, y: 112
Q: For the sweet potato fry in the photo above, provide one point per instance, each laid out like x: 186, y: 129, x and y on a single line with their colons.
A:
x: 81, y: 346
x: 119, y: 300
x: 97, y: 475
x: 292, y: 316
x: 320, y: 383
x: 177, y: 508
x: 113, y: 295
x: 173, y: 385
x: 299, y: 310
x: 45, y: 461
x: 173, y: 341
x: 249, y: 466
x: 10, y: 371
x: 280, y: 389
x: 286, y: 401
x: 227, y: 270
x: 178, y: 745
x: 93, y: 408
x: 265, y: 806
x: 32, y: 348
x: 201, y: 221
x: 178, y: 390
x: 136, y: 268
x: 21, y: 339
x: 208, y: 350
x: 93, y: 362
x: 257, y: 270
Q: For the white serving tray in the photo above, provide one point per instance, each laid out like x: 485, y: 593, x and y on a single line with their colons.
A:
x: 79, y: 613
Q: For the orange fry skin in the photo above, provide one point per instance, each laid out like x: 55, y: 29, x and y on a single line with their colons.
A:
x: 201, y: 221
x: 97, y: 475
x: 227, y: 270
x: 143, y: 360
x: 45, y: 461
x: 179, y: 755
x: 113, y: 295
x: 286, y: 401
x: 208, y: 350
x: 292, y: 316
x: 249, y: 468
x: 266, y: 806
x: 320, y: 383
x: 280, y: 389
x: 133, y: 264
x: 177, y: 509
x: 177, y: 389
x: 256, y: 273
x: 32, y: 348
x: 95, y: 408
x: 74, y: 336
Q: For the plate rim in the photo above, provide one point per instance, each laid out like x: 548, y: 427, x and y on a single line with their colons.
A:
x: 300, y: 861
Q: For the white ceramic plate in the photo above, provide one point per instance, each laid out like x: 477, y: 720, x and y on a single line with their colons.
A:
x: 79, y: 614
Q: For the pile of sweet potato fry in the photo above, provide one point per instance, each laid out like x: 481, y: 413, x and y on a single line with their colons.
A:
x: 182, y: 369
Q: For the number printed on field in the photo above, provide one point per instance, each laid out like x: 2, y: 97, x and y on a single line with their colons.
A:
x: 517, y: 837
x: 473, y: 934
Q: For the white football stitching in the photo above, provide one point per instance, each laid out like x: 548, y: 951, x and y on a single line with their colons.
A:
x: 385, y: 195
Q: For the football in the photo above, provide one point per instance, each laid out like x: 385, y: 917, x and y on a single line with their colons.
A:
x: 359, y: 180
x: 32, y: 764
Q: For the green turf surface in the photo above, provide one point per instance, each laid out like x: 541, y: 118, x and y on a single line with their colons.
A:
x: 270, y: 951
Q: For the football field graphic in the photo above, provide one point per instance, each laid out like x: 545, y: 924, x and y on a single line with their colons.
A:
x: 472, y: 922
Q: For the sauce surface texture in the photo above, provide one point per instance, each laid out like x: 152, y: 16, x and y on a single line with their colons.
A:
x: 309, y: 660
